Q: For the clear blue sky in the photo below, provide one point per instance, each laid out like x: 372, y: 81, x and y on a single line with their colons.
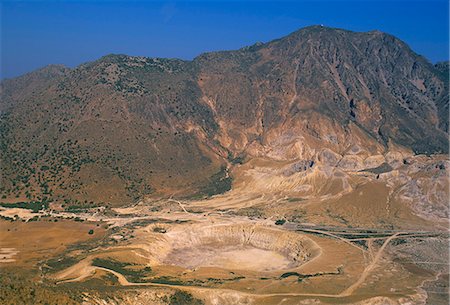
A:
x: 38, y: 33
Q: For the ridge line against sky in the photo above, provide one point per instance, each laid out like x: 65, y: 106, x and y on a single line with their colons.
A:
x: 38, y: 33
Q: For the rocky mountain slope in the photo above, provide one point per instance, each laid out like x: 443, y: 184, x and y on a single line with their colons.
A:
x: 122, y: 128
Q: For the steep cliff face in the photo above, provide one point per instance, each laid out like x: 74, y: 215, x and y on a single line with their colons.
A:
x: 123, y: 127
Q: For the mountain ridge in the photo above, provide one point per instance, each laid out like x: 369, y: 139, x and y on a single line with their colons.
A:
x: 256, y: 44
x: 123, y: 127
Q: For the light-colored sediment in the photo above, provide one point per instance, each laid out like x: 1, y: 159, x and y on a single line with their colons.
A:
x: 7, y: 255
x: 239, y: 246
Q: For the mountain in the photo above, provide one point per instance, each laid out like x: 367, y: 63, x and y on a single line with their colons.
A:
x: 121, y: 128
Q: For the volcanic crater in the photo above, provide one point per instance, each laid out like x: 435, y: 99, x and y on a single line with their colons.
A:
x: 253, y: 248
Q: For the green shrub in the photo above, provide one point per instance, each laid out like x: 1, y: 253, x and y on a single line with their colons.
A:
x: 183, y: 298
x: 280, y: 222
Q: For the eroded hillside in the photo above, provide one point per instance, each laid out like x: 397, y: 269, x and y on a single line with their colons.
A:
x: 122, y: 128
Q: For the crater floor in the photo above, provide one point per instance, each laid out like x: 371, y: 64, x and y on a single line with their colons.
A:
x: 229, y: 257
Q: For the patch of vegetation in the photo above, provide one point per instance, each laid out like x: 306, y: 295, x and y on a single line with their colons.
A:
x: 236, y: 160
x: 221, y: 281
x: 399, y: 241
x: 35, y: 206
x: 289, y: 274
x: 7, y: 218
x: 35, y: 218
x: 56, y: 264
x: 159, y: 230
x: 250, y: 212
x: 219, y: 183
x: 297, y: 216
x: 110, y: 279
x: 337, y: 217
x: 20, y: 289
x: 361, y: 243
x: 301, y: 277
x: 373, y: 235
x: 132, y: 275
x: 183, y: 298
x: 280, y: 222
x: 295, y: 199
x: 168, y: 281
x: 141, y: 223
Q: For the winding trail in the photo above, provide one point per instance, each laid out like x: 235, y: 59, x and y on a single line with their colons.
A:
x: 334, y: 236
x: 180, y: 204
x: 369, y: 268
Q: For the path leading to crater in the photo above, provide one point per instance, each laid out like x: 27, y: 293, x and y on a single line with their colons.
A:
x: 349, y: 291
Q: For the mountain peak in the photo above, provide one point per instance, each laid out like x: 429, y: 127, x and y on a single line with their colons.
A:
x: 322, y: 29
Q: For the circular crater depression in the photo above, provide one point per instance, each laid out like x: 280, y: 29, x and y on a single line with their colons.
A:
x: 238, y: 247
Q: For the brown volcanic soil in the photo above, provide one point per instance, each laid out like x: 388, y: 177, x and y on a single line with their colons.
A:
x: 31, y: 242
